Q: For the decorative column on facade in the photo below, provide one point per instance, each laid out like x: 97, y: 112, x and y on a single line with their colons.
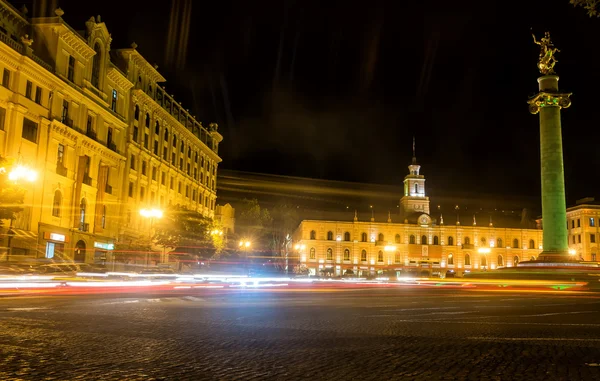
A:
x: 548, y: 102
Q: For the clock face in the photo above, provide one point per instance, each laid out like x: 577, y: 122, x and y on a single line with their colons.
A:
x: 424, y: 220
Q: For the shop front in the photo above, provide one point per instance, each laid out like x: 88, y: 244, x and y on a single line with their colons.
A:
x: 54, y: 245
x: 103, y: 252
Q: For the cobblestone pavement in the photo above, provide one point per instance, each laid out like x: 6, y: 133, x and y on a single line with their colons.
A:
x: 350, y: 335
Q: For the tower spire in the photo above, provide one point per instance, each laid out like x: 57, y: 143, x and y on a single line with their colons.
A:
x: 414, y: 158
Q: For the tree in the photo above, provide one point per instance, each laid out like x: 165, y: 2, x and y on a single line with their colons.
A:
x: 11, y: 195
x: 283, y: 222
x: 591, y: 6
x: 253, y: 221
x: 185, y: 229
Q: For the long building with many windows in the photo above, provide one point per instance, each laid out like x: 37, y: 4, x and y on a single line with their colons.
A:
x: 412, y: 242
x: 104, y: 137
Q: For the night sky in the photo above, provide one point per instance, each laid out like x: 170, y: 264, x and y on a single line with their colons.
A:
x: 357, y: 80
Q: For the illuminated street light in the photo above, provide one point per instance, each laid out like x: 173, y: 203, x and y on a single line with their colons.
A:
x: 244, y: 243
x: 21, y: 172
x: 151, y: 213
x: 216, y: 232
x: 572, y: 252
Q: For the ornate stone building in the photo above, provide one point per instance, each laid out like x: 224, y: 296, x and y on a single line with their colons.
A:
x: 105, y: 139
x: 414, y: 241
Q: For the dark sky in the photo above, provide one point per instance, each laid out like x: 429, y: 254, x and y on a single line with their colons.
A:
x: 358, y: 79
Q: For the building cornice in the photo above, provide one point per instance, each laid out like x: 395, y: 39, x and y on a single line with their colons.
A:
x: 140, y: 61
x: 74, y: 40
x: 117, y: 77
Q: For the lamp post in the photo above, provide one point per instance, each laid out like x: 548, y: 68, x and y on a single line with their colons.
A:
x: 151, y: 214
x: 18, y: 173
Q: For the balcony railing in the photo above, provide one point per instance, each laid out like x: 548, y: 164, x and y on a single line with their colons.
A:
x: 87, y: 179
x: 12, y: 43
x: 112, y: 146
x: 67, y: 121
x: 91, y: 134
x: 84, y: 227
x: 61, y: 170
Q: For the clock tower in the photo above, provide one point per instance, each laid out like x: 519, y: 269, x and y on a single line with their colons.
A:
x: 414, y: 199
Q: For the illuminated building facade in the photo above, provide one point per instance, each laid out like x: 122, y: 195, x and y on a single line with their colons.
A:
x: 103, y: 137
x: 415, y: 242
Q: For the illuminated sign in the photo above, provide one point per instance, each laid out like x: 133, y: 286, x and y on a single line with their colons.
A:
x: 105, y: 246
x: 57, y: 237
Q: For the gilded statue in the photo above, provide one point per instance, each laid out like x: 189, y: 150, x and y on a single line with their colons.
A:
x: 546, y: 60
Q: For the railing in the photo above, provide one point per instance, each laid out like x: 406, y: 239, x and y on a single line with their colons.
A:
x: 87, y: 179
x: 84, y: 227
x: 12, y: 43
x: 67, y: 121
x: 91, y: 134
x: 112, y: 146
x: 61, y: 169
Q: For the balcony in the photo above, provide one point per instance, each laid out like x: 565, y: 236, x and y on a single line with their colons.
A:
x: 84, y: 227
x: 91, y: 134
x: 87, y: 179
x: 67, y: 121
x: 61, y: 169
x: 112, y: 146
x: 108, y: 189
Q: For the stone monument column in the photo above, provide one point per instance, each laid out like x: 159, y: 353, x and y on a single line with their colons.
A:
x: 548, y: 102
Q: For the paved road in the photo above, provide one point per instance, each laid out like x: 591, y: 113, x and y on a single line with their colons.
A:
x: 268, y: 335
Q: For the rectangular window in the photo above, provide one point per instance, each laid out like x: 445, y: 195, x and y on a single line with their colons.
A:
x: 181, y: 164
x: 173, y: 159
x: 71, y: 69
x: 2, y: 117
x: 594, y: 257
x: 165, y: 153
x: 38, y: 95
x: 144, y: 168
x: 172, y: 183
x: 142, y: 193
x: 156, y: 147
x: 132, y: 163
x: 573, y: 239
x: 28, y: 89
x: 146, y: 140
x: 578, y: 223
x: 113, y: 105
x: 579, y: 238
x: 30, y: 130
x: 572, y: 224
x: 179, y: 187
x: 130, y: 189
x: 187, y: 191
x: 154, y: 173
x: 195, y: 173
x: 593, y: 238
x: 135, y: 133
x: 189, y: 168
x: 152, y: 195
x: 163, y: 178
x: 109, y: 139
x: 60, y: 155
x: 592, y: 222
x: 6, y: 78
x: 65, y: 112
x: 89, y: 126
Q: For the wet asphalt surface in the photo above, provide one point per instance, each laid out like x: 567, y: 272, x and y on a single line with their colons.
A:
x: 421, y: 334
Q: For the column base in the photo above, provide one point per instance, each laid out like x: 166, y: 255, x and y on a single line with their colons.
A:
x: 556, y: 256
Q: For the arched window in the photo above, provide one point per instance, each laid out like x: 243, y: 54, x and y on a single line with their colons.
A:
x: 483, y: 260
x: 329, y: 254
x: 346, y: 255
x: 312, y: 253
x: 380, y: 256
x: 363, y: 237
x: 174, y: 141
x: 147, y: 120
x: 347, y: 236
x: 412, y: 240
x: 380, y: 238
x: 397, y: 238
x: 436, y: 240
x: 363, y: 255
x: 450, y: 259
x: 136, y: 113
x: 423, y: 240
x: 515, y: 243
x: 82, y: 208
x: 500, y: 261
x: 500, y: 243
x: 516, y: 260
x: 166, y: 135
x: 96, y: 66
x: 451, y: 241
x: 150, y: 90
x: 531, y: 244
x: 330, y: 236
x: 483, y: 241
x: 313, y: 234
x: 467, y: 241
x: 416, y: 188
x: 56, y: 203
x: 156, y: 128
x: 103, y: 217
x: 467, y: 260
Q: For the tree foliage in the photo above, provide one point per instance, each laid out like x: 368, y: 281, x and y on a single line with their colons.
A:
x: 591, y: 6
x: 11, y: 194
x: 180, y: 227
x: 253, y: 221
x: 284, y: 219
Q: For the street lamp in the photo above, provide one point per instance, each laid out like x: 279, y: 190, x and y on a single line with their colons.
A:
x: 16, y: 174
x: 151, y: 214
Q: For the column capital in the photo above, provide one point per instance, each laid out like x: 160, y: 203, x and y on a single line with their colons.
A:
x: 548, y: 99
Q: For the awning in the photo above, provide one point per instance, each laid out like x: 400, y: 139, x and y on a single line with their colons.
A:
x: 24, y: 234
